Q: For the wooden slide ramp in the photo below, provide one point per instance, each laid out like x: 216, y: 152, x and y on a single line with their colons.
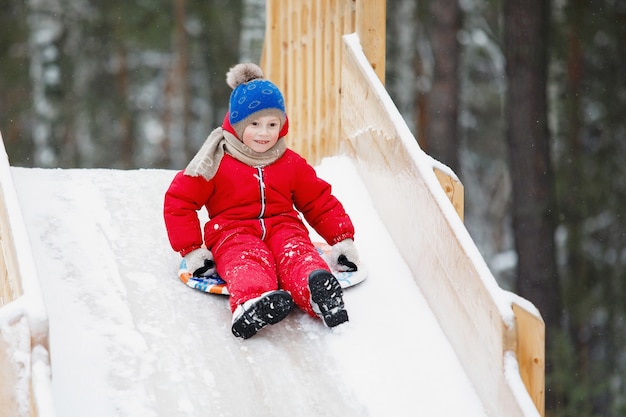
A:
x: 128, y: 338
x: 89, y: 287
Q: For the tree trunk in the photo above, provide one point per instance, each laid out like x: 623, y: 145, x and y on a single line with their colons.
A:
x: 443, y: 100
x: 177, y: 93
x: 127, y: 137
x: 46, y: 49
x: 400, y: 77
x: 526, y: 48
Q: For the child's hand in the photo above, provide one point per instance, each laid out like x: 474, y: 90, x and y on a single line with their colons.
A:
x: 344, y: 256
x: 201, y: 262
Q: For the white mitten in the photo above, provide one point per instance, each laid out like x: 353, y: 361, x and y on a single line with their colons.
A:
x: 201, y: 262
x: 344, y: 256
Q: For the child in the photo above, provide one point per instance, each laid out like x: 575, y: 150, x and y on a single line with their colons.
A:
x: 251, y: 186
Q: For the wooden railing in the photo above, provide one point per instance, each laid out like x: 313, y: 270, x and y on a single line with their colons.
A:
x: 25, y: 384
x: 484, y: 324
x: 337, y: 103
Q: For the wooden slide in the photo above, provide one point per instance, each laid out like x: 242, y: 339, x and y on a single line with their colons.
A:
x: 318, y: 53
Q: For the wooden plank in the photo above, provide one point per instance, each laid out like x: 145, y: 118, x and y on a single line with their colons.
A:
x: 10, y: 287
x: 7, y: 291
x: 371, y: 27
x: 318, y: 75
x: 454, y: 190
x: 345, y: 24
x: 331, y: 87
x: 531, y: 353
x: 6, y: 294
x: 306, y: 74
x: 311, y: 79
x: 270, y: 54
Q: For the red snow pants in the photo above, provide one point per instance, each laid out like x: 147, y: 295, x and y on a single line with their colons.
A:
x: 252, y: 266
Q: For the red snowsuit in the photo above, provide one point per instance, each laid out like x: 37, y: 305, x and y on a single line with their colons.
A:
x: 257, y: 237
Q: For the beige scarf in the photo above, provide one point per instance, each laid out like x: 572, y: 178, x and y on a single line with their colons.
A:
x: 207, y: 160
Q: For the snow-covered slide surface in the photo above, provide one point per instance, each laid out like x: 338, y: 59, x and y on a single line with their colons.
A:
x: 129, y: 339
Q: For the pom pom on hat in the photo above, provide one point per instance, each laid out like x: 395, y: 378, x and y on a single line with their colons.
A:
x: 243, y: 73
x: 252, y: 97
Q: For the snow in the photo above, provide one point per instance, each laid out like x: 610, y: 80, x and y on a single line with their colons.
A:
x: 15, y: 339
x: 511, y: 373
x: 128, y: 338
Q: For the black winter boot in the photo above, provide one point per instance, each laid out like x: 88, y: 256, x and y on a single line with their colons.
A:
x: 269, y: 308
x: 327, y: 298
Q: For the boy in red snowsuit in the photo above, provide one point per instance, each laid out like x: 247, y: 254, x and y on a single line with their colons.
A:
x: 254, y: 190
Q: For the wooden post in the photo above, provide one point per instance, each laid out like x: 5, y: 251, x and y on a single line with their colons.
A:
x: 454, y: 190
x: 530, y: 353
x: 371, y: 28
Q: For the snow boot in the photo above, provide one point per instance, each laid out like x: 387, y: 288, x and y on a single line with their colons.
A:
x: 327, y: 298
x: 269, y: 308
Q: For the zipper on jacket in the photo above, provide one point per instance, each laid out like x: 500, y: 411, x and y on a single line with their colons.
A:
x: 262, y: 192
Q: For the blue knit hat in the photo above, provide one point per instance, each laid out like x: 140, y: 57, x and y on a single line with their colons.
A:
x: 252, y: 97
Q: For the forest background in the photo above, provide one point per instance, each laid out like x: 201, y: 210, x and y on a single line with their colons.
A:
x: 524, y: 99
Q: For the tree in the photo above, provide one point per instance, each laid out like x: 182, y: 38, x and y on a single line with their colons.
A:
x: 402, y: 38
x: 47, y: 33
x: 176, y: 118
x: 590, y: 125
x: 15, y: 86
x: 534, y: 222
x: 443, y: 100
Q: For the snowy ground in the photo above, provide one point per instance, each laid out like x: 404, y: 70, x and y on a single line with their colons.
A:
x: 129, y: 339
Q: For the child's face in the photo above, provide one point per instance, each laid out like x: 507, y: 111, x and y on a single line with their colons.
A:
x: 262, y: 133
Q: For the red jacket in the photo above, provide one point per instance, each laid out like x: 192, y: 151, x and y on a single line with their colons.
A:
x: 256, y: 198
